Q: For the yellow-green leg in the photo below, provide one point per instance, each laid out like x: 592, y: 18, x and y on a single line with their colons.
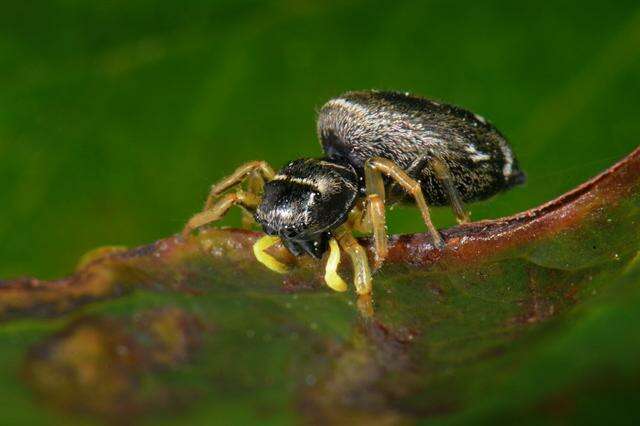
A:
x: 256, y: 171
x: 361, y: 270
x: 374, y: 169
x: 359, y: 219
x: 218, y: 203
x: 255, y: 185
x: 217, y: 210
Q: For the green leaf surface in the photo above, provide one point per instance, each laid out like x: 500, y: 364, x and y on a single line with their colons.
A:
x: 531, y: 318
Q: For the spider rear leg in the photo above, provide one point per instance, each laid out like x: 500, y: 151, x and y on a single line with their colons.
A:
x: 374, y: 169
x: 444, y: 175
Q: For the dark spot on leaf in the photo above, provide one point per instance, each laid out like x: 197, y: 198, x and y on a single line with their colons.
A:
x: 108, y: 367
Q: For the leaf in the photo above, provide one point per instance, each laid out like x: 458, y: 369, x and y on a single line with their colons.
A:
x: 527, y: 317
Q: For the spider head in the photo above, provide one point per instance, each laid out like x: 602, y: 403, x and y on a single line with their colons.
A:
x: 305, y: 201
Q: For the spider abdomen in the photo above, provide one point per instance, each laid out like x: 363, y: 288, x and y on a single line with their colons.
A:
x: 414, y: 133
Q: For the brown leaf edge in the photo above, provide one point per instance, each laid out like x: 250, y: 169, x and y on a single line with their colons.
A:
x: 161, y: 265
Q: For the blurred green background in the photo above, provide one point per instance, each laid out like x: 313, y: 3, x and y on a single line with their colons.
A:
x: 116, y: 116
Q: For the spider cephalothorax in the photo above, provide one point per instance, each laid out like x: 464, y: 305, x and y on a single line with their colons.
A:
x: 380, y: 147
x: 305, y: 201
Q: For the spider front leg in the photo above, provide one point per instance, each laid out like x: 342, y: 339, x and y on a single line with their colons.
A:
x: 255, y: 185
x: 374, y: 169
x: 361, y: 270
x: 216, y: 211
x: 255, y: 173
x: 343, y: 238
x: 359, y: 219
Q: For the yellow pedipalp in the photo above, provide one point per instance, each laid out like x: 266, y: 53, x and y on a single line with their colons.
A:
x: 266, y: 259
x: 331, y: 276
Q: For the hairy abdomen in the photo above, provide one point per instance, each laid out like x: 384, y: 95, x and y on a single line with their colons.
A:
x: 414, y: 133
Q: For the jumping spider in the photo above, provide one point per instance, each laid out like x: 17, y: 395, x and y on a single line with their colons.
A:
x: 378, y: 146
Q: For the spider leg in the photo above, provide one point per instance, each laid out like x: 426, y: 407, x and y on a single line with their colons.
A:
x: 374, y: 169
x: 444, y: 175
x: 255, y: 185
x: 217, y: 210
x: 359, y: 218
x: 361, y: 269
x: 216, y: 206
x: 251, y: 171
x: 414, y: 169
